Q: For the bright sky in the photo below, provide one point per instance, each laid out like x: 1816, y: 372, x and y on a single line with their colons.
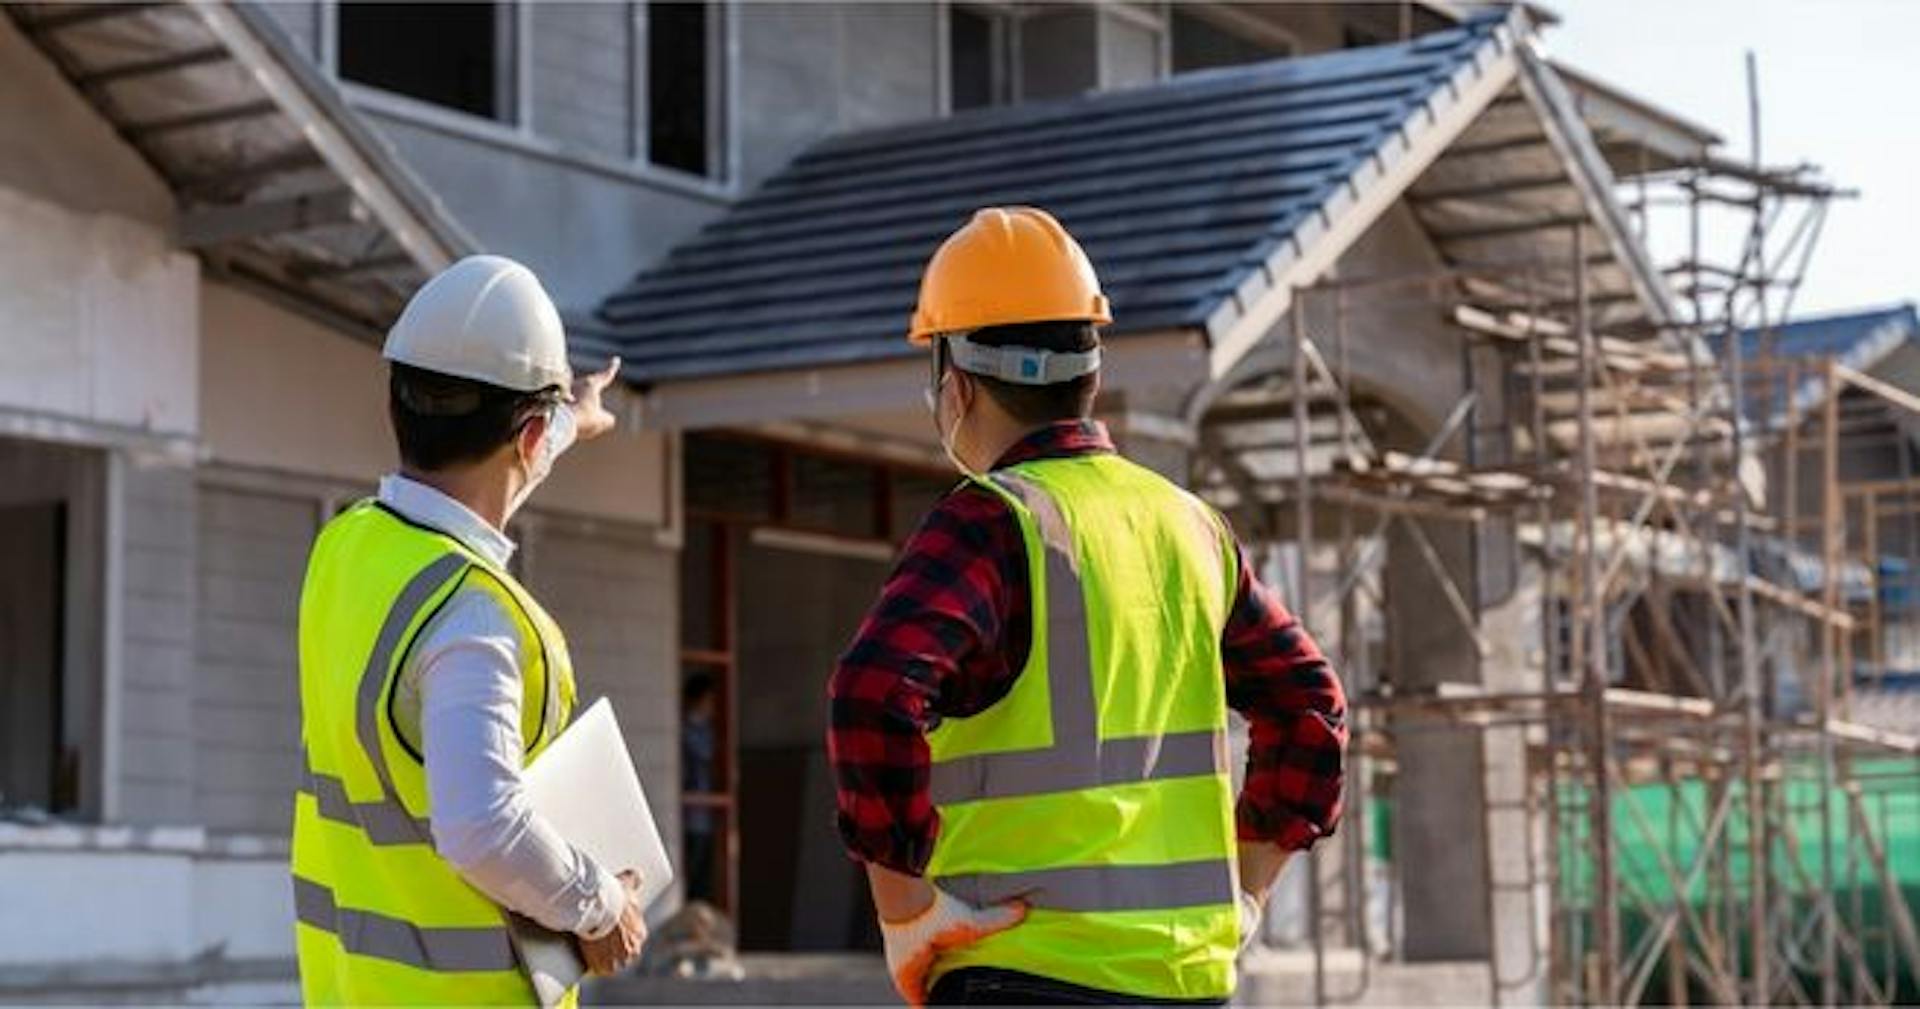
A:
x: 1839, y: 86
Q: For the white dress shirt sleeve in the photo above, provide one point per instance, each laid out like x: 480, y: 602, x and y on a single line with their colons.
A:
x: 482, y: 822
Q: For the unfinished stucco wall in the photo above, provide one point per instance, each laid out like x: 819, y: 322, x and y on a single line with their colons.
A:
x: 100, y: 318
x: 584, y: 229
x: 297, y: 397
x: 54, y: 147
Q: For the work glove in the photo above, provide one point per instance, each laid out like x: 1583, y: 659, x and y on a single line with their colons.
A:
x: 1252, y: 912
x: 948, y: 923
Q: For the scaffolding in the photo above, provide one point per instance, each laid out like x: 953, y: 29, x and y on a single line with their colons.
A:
x: 1699, y: 817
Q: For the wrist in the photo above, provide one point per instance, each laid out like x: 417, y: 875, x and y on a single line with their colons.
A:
x: 898, y: 898
x: 605, y: 908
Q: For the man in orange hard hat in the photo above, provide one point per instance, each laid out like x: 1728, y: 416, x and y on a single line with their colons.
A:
x: 1028, y: 732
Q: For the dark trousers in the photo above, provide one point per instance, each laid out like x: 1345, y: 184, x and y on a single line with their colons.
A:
x: 993, y: 986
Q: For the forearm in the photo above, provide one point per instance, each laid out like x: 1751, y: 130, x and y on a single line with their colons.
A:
x: 1261, y: 863
x: 482, y: 821
x: 877, y: 749
x: 1297, y: 716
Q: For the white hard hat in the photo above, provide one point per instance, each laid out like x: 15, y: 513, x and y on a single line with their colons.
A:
x: 484, y: 318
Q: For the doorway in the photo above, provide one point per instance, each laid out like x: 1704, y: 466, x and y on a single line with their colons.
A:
x: 786, y: 548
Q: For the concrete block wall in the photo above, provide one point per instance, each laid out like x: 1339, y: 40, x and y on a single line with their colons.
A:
x: 583, y: 81
x: 615, y: 593
x: 1130, y: 52
x: 809, y: 70
x: 156, y: 644
x: 246, y: 697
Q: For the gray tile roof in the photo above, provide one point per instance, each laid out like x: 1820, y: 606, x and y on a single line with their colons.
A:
x: 1178, y: 190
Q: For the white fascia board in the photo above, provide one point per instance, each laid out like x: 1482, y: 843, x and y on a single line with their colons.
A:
x: 1171, y: 358
x: 433, y: 240
x: 1318, y: 242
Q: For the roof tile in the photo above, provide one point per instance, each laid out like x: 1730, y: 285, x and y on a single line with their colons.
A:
x: 1178, y: 190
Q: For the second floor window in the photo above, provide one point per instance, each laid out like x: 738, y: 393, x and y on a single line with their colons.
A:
x: 680, y: 88
x: 1201, y: 42
x: 455, y: 55
x: 979, y: 40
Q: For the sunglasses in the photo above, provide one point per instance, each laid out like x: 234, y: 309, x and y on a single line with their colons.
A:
x: 939, y: 360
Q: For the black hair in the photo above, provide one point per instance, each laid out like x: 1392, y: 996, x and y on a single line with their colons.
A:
x: 1042, y: 404
x: 441, y: 421
x: 696, y: 688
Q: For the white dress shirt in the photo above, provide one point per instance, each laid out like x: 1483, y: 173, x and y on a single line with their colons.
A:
x: 463, y: 678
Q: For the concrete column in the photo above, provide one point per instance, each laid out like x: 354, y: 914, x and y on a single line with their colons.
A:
x: 1439, y: 806
x: 1466, y: 844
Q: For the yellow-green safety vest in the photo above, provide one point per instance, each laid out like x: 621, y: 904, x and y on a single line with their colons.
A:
x: 1097, y: 790
x: 381, y: 919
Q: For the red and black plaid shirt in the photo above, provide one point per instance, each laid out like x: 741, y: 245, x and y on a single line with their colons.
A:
x: 951, y: 631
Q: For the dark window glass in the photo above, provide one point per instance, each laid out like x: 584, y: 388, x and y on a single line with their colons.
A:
x: 444, y: 53
x: 677, y: 83
x: 1359, y: 38
x: 970, y: 57
x: 1199, y: 44
x: 834, y: 495
x: 728, y: 476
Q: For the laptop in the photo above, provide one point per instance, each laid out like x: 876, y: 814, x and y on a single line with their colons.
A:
x: 584, y: 785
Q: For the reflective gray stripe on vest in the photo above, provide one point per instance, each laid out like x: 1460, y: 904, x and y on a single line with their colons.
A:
x: 1078, y: 759
x: 383, y: 821
x: 1101, y: 888
x: 371, y: 934
x: 374, y: 678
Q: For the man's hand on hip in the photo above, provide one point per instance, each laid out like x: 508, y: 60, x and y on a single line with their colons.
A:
x: 613, y: 952
x: 914, y: 944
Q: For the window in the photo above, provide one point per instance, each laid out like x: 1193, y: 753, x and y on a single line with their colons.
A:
x: 978, y: 41
x: 1200, y: 43
x: 455, y: 55
x: 679, y: 86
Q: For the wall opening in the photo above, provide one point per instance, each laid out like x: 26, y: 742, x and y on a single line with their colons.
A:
x: 51, y: 521
x: 455, y: 55
x: 1200, y: 43
x: 680, y: 92
x: 786, y: 548
x: 977, y: 47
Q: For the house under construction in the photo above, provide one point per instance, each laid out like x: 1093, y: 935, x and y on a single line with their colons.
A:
x: 1616, y: 555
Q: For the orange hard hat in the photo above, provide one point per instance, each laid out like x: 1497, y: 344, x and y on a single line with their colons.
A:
x: 1008, y: 265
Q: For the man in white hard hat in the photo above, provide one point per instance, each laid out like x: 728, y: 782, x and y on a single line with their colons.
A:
x: 429, y: 675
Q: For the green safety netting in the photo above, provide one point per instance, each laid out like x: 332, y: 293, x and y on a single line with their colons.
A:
x: 1657, y: 821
